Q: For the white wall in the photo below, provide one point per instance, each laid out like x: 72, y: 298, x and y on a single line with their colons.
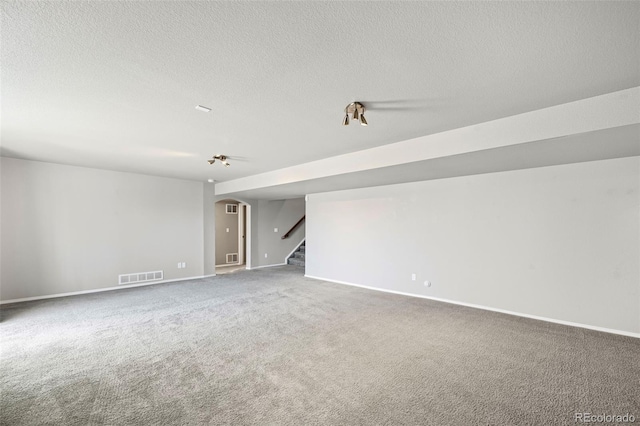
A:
x: 558, y: 242
x: 67, y: 229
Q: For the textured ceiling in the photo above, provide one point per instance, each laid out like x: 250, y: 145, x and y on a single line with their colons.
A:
x: 114, y: 84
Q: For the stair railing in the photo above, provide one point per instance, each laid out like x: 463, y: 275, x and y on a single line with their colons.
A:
x: 293, y: 227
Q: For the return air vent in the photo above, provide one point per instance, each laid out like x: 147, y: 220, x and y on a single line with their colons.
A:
x: 140, y: 277
x: 232, y: 257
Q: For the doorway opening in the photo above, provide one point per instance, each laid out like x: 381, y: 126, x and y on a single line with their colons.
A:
x: 233, y: 236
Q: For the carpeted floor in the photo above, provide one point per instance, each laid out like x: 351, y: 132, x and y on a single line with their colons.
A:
x: 269, y: 347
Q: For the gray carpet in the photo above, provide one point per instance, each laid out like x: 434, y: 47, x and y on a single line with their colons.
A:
x: 272, y: 347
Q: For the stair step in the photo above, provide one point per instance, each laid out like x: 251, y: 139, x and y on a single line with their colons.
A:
x: 295, y: 261
x: 298, y: 255
x: 301, y: 248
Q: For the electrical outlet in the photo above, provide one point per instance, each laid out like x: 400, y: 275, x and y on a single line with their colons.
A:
x: 413, y: 277
x: 227, y: 229
x: 275, y: 229
x: 184, y: 265
x: 427, y: 283
x: 179, y: 265
x: 265, y: 255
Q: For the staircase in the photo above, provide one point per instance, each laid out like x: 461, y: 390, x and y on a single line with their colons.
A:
x: 297, y: 258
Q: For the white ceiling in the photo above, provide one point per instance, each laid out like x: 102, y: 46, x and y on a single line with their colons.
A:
x: 114, y: 84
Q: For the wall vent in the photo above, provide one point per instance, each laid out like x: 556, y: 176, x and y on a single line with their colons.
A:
x: 232, y: 209
x: 232, y: 257
x: 140, y: 277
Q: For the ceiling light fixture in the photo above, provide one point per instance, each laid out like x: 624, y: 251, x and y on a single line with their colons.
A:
x: 356, y: 109
x: 203, y: 108
x: 222, y: 158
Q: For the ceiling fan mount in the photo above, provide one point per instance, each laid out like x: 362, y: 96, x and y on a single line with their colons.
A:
x: 221, y: 158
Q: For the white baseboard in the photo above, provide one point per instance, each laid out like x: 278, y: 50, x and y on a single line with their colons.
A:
x: 267, y: 266
x: 486, y: 308
x: 98, y: 290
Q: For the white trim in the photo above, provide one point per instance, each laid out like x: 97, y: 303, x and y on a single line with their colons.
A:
x: 247, y: 233
x: 267, y: 266
x: 98, y: 290
x: 240, y: 233
x: 294, y: 250
x: 228, y: 264
x: 486, y: 308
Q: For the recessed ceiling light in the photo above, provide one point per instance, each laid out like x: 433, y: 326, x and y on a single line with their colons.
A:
x: 210, y: 180
x: 202, y: 108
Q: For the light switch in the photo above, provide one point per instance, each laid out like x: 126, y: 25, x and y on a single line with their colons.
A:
x: 227, y: 229
x: 275, y: 229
